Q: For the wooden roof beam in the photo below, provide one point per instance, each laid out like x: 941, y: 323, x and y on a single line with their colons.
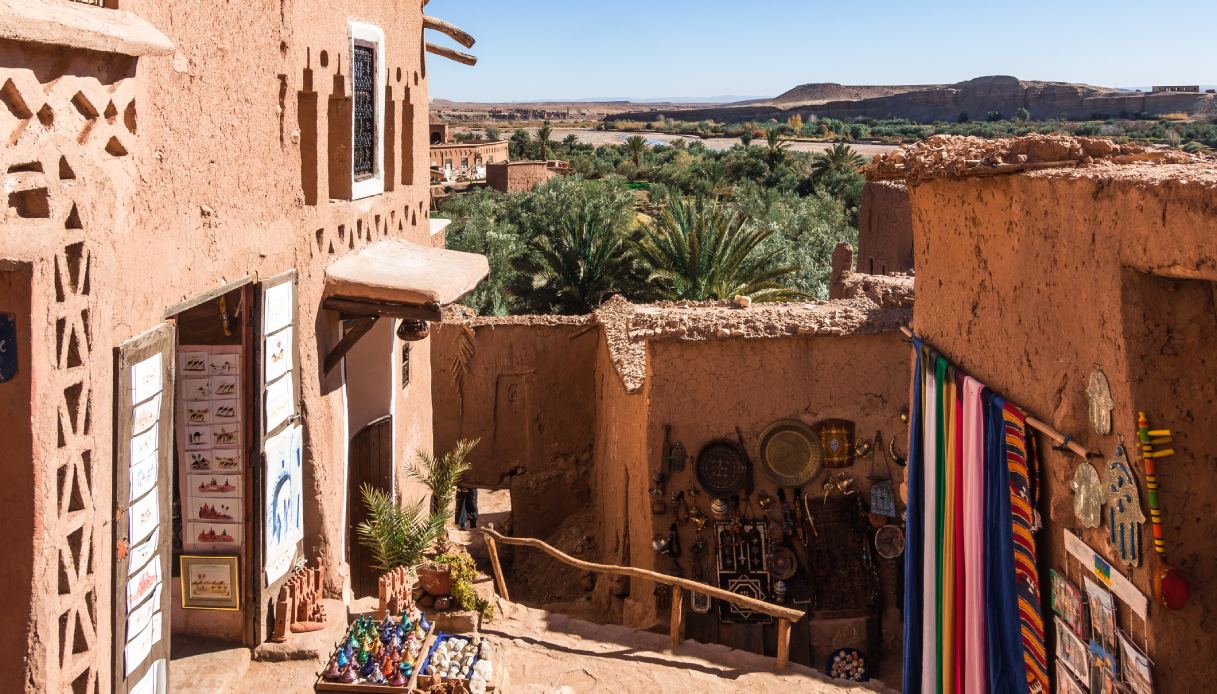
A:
x: 459, y: 35
x: 463, y: 58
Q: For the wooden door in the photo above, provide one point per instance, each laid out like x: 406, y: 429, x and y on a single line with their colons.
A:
x: 143, y: 484
x: 371, y: 462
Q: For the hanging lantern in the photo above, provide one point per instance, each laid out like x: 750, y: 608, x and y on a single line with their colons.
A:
x: 413, y: 330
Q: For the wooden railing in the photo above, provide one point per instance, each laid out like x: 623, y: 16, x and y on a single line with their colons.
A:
x: 785, y: 615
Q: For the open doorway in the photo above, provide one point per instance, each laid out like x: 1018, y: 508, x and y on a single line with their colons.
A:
x: 370, y: 386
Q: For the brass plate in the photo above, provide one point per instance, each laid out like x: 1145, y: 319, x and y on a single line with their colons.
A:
x: 790, y: 453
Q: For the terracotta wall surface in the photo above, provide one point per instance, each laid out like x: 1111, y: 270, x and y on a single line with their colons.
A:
x: 529, y: 398
x: 885, y: 229
x: 518, y: 176
x: 1031, y: 282
x: 455, y: 151
x: 181, y: 173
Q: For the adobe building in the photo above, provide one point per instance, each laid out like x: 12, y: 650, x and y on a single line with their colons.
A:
x: 885, y: 229
x: 1078, y: 278
x: 196, y: 232
x: 522, y: 176
x: 453, y: 161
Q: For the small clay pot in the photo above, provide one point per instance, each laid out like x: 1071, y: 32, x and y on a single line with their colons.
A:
x: 435, y: 580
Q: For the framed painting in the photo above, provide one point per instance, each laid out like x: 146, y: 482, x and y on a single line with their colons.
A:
x: 210, y: 582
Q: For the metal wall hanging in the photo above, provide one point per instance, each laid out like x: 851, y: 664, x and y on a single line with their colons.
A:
x: 783, y: 563
x: 721, y: 468
x: 674, y: 454
x: 882, y: 495
x: 1124, y: 515
x: 1088, y: 495
x: 837, y: 440
x: 789, y: 453
x: 889, y: 541
x: 1098, y: 394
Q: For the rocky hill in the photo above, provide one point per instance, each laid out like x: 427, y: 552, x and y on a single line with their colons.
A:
x: 973, y: 99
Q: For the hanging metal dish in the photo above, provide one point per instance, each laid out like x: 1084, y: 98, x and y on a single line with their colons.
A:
x: 783, y: 564
x: 721, y: 469
x: 889, y: 541
x: 790, y: 453
x: 837, y: 440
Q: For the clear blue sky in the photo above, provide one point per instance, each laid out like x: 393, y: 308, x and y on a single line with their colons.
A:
x: 549, y: 49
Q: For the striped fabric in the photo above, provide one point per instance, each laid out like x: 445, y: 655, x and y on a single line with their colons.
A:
x: 1022, y: 504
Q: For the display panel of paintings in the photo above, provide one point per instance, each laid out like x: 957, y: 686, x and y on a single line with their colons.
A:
x: 143, y: 481
x: 1069, y: 604
x: 1103, y: 644
x: 210, y: 447
x: 1072, y: 652
x: 282, y: 436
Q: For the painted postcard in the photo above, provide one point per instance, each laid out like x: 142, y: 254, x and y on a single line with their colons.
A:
x: 146, y: 414
x: 146, y: 378
x: 224, y: 386
x: 143, y: 517
x: 214, y: 537
x: 192, y: 363
x: 226, y: 435
x: 1072, y: 651
x: 216, y: 485
x: 215, y: 510
x: 196, y: 389
x: 198, y: 438
x: 277, y: 307
x: 278, y: 354
x: 228, y: 364
x: 198, y: 413
x: 143, y: 477
x: 200, y: 461
x: 226, y: 460
x: 225, y: 411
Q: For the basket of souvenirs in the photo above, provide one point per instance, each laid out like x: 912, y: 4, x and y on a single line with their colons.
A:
x: 378, y: 656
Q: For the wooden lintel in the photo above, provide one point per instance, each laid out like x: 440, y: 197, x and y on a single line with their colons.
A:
x: 361, y: 307
x: 458, y: 34
x: 353, y: 333
x: 450, y: 54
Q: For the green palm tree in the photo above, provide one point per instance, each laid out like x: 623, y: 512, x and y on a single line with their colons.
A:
x: 715, y: 178
x: 746, y: 137
x: 543, y: 136
x: 776, y: 145
x: 583, y: 260
x: 838, y: 159
x: 570, y: 141
x: 636, y: 145
x: 700, y: 251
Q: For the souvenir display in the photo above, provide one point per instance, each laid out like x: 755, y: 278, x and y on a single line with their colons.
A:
x: 1102, y: 625
x: 456, y: 658
x: 1068, y: 603
x: 1124, y: 516
x: 722, y: 469
x: 1170, y: 587
x: 383, y: 653
x: 743, y: 566
x: 1072, y: 652
x: 789, y: 453
x: 972, y: 591
x: 209, y: 411
x: 847, y: 664
x: 1098, y: 395
x: 1088, y: 495
x: 837, y: 440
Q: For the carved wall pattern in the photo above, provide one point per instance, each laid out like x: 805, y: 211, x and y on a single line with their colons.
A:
x: 54, y: 134
x: 376, y: 225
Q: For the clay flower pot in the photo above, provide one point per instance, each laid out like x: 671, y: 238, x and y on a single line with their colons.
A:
x: 436, y: 580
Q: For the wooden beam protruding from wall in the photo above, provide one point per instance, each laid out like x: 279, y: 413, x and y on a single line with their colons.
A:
x: 458, y: 34
x: 450, y: 54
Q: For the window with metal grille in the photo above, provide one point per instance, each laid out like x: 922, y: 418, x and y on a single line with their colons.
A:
x: 363, y: 78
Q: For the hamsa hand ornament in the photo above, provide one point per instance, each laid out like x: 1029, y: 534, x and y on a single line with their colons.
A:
x: 1088, y: 495
x: 1124, y: 515
x: 1098, y: 396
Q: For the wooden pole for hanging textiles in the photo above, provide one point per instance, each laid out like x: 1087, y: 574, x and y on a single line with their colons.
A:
x: 1041, y: 426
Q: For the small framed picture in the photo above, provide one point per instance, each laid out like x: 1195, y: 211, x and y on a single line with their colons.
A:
x: 210, y: 583
x: 1072, y: 652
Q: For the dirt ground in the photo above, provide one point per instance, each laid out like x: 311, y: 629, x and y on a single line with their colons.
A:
x: 547, y: 653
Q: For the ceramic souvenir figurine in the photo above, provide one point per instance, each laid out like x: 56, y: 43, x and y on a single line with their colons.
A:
x: 1124, y: 515
x: 1087, y: 495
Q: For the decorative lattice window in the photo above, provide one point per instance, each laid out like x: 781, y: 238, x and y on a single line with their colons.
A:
x: 363, y: 77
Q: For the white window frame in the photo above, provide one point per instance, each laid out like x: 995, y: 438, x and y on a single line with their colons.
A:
x: 370, y: 33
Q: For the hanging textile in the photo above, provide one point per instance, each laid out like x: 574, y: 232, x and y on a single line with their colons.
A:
x: 914, y: 542
x: 972, y: 595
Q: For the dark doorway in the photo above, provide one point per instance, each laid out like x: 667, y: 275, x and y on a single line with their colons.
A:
x: 371, y: 461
